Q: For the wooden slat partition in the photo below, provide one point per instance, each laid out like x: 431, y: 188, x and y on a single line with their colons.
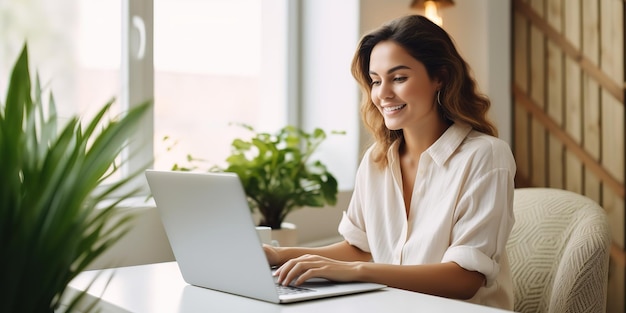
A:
x: 573, y: 95
x: 591, y: 94
x: 536, y: 90
x: 538, y: 114
x: 555, y: 102
x: 569, y: 115
x: 568, y: 48
x: 521, y: 133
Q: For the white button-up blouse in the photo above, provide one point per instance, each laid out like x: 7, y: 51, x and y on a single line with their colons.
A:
x: 461, y: 210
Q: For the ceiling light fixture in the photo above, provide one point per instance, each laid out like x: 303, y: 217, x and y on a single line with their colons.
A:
x: 431, y: 8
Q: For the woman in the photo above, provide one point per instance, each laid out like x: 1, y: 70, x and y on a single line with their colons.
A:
x: 432, y: 204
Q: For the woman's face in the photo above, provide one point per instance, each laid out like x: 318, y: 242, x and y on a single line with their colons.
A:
x: 401, y: 88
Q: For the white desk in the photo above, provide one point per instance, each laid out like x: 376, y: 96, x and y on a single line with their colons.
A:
x: 160, y: 287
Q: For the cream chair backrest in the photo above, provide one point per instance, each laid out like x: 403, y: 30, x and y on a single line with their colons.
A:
x: 559, y: 252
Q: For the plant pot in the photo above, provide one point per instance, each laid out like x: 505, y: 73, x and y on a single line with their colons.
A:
x: 286, y: 236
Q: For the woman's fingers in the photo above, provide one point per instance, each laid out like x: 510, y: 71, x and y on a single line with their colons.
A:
x: 290, y: 270
x: 298, y: 270
x: 308, y: 274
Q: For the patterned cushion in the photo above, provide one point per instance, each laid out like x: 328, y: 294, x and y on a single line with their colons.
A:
x: 559, y: 252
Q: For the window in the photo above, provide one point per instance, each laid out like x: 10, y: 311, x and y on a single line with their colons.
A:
x: 206, y: 63
x: 209, y: 73
x: 73, y: 45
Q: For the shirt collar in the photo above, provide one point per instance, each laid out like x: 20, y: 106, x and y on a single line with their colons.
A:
x: 442, y: 149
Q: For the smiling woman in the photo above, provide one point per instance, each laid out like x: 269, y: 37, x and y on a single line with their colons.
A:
x: 431, y: 209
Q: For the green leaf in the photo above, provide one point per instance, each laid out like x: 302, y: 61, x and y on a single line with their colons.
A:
x: 277, y: 172
x: 280, y: 176
x: 52, y: 221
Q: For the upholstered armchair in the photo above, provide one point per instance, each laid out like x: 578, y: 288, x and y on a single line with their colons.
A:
x: 559, y: 252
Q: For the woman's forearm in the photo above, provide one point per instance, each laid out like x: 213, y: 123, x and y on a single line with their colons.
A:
x: 341, y: 251
x: 442, y: 279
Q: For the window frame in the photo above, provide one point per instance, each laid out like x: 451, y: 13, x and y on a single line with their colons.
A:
x: 296, y: 76
x: 137, y: 86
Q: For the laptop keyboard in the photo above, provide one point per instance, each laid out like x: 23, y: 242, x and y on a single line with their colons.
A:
x: 290, y: 290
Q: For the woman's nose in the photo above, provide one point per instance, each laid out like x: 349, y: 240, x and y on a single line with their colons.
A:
x: 385, y: 92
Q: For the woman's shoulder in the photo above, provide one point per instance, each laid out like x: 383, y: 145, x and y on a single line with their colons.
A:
x: 366, y: 157
x: 481, y: 140
x: 367, y: 153
x: 488, y: 148
x: 368, y: 167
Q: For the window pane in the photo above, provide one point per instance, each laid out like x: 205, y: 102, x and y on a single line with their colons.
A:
x: 207, y: 59
x: 74, y: 46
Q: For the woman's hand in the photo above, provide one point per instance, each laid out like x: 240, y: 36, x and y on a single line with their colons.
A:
x: 299, y: 269
x: 271, y: 253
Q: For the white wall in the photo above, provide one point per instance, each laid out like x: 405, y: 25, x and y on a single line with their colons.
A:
x: 328, y: 94
x: 146, y: 242
x: 481, y: 29
x: 482, y: 32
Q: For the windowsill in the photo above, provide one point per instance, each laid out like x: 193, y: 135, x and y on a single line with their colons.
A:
x: 147, y: 242
x: 135, y: 202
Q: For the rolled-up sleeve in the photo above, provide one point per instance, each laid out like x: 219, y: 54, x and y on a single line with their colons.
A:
x: 484, y: 219
x: 353, y: 234
x: 352, y: 225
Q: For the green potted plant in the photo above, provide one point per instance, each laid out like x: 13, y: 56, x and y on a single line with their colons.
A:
x: 278, y: 174
x: 53, y: 220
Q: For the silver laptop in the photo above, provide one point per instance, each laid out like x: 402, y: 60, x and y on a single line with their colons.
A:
x: 214, y: 240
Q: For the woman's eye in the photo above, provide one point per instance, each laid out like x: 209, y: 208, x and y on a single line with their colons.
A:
x: 400, y: 79
x: 375, y: 83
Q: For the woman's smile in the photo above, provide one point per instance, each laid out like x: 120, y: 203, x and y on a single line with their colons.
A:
x: 394, y: 108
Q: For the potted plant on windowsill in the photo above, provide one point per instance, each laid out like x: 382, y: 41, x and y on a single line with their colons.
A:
x: 278, y: 175
x: 53, y: 218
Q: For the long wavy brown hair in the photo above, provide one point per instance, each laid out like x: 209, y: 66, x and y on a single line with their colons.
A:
x: 430, y: 44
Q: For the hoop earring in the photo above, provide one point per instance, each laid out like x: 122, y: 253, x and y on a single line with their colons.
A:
x: 438, y: 100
